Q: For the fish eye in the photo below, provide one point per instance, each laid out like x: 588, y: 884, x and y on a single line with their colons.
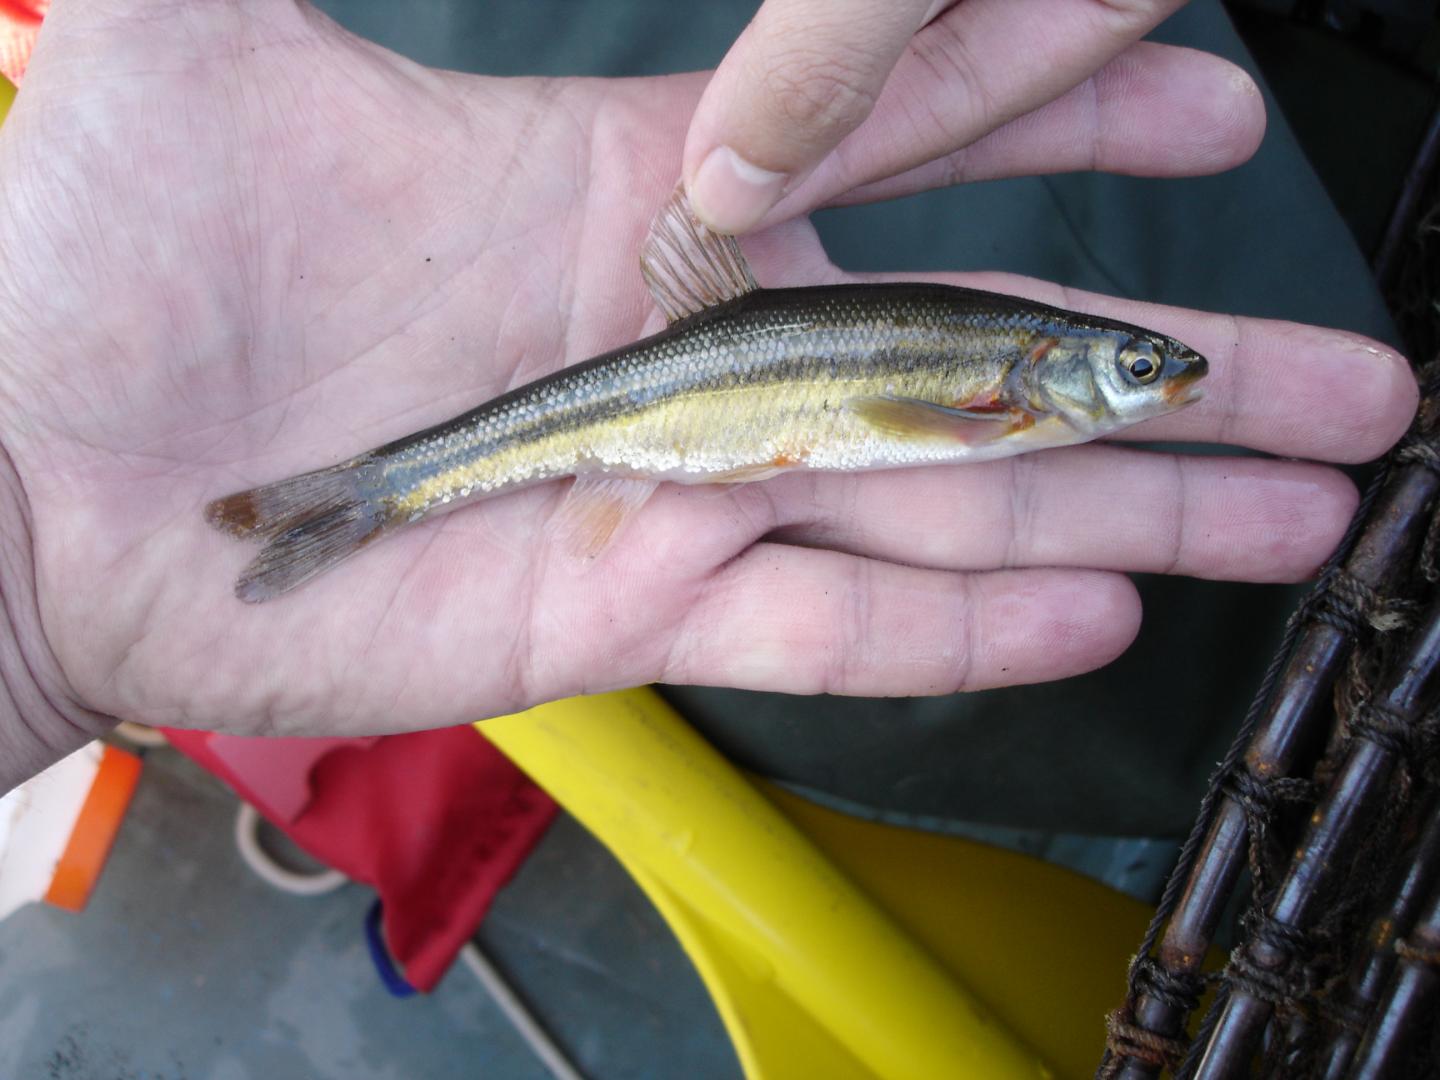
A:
x: 1140, y: 362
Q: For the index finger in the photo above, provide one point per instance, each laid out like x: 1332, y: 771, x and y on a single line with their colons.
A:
x: 803, y: 75
x: 806, y: 73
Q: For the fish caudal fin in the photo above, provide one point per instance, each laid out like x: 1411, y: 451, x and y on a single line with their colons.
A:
x: 308, y: 524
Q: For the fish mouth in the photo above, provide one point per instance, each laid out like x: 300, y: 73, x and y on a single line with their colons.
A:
x: 1182, y: 388
x: 1183, y: 393
x: 1193, y: 396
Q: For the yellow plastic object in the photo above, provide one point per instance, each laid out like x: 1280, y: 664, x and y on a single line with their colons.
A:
x: 1044, y: 947
x: 815, y: 961
x: 805, y: 970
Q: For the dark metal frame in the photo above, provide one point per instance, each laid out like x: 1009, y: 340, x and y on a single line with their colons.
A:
x: 1329, y: 796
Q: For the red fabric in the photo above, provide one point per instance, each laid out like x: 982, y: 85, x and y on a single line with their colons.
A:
x: 436, y: 822
x: 276, y: 771
x: 19, y: 26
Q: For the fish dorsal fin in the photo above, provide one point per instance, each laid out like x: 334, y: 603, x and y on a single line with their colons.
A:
x: 687, y: 266
x: 912, y: 418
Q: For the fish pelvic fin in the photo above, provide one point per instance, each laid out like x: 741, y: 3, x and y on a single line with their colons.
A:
x: 596, y: 509
x: 912, y: 418
x: 688, y: 267
x: 308, y: 524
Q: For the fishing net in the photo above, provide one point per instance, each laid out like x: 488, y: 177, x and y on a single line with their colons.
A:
x: 1321, y: 828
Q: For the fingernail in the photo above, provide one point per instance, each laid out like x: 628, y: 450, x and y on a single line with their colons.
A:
x: 731, y: 194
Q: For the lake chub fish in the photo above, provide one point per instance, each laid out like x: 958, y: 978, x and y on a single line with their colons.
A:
x: 743, y: 383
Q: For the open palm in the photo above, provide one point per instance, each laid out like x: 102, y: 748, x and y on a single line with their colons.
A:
x: 241, y: 244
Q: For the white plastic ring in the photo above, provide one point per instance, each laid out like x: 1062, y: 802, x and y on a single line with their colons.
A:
x: 247, y: 840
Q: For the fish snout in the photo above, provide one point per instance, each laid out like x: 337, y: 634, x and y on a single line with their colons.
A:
x: 1183, y: 371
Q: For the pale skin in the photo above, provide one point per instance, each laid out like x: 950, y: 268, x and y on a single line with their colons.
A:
x: 240, y: 244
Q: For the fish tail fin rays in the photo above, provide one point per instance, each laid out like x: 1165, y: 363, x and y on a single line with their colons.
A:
x: 688, y: 267
x: 308, y: 523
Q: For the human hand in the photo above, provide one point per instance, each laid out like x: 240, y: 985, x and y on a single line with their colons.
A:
x: 244, y: 244
x: 821, y: 99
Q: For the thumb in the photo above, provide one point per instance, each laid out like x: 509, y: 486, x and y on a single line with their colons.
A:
x: 803, y: 75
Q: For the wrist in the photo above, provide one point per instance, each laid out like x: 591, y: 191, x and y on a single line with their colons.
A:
x: 40, y: 719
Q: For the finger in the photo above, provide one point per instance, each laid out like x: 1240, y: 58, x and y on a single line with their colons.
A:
x: 977, y: 66
x: 1281, y: 387
x: 802, y: 76
x: 1155, y: 110
x: 1102, y: 507
x: 803, y: 622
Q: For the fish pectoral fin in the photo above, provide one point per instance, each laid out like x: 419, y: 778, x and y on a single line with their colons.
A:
x: 913, y: 418
x: 595, y: 509
x: 687, y: 267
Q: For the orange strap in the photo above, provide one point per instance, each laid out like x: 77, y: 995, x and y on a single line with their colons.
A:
x: 89, y: 845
